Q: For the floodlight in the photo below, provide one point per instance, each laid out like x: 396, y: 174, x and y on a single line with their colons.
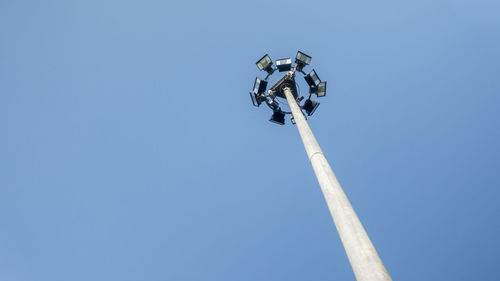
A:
x: 265, y: 63
x: 284, y: 64
x: 278, y: 117
x: 257, y: 99
x: 302, y: 60
x: 260, y: 85
x: 310, y: 106
x: 312, y: 79
x: 320, y: 91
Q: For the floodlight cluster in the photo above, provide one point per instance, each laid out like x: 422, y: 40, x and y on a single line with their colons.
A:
x: 316, y: 86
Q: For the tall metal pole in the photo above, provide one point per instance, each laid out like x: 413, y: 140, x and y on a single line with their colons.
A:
x: 365, y: 262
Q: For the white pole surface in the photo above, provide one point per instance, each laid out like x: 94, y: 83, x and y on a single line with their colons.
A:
x: 365, y: 262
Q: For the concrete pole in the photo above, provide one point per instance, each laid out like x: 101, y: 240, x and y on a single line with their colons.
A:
x: 365, y: 262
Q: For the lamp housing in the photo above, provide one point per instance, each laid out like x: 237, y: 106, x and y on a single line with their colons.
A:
x: 310, y: 106
x: 312, y: 78
x: 265, y: 63
x: 320, y: 91
x: 278, y: 117
x: 284, y: 64
x: 257, y: 99
x: 260, y: 85
x: 302, y: 60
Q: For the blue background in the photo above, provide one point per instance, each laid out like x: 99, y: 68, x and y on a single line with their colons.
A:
x: 129, y: 148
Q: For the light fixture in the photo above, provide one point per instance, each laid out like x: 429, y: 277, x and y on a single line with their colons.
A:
x: 265, y: 63
x: 259, y: 86
x: 302, y: 60
x: 278, y: 117
x: 320, y: 91
x: 260, y: 94
x: 310, y: 106
x: 312, y: 79
x: 257, y: 99
x: 284, y: 64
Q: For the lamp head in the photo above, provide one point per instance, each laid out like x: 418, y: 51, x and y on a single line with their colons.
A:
x: 320, y: 91
x: 260, y: 85
x: 284, y: 64
x: 302, y: 60
x: 310, y: 106
x: 312, y: 78
x: 257, y: 99
x: 265, y: 63
x: 278, y: 117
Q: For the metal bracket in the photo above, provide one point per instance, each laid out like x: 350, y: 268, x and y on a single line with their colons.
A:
x: 288, y: 81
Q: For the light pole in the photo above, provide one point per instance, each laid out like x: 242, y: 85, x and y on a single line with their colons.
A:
x: 364, y: 259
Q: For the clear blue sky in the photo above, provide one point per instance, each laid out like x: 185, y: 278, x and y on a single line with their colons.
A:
x: 129, y: 148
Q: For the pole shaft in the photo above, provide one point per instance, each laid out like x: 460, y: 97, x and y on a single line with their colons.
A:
x: 364, y: 259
